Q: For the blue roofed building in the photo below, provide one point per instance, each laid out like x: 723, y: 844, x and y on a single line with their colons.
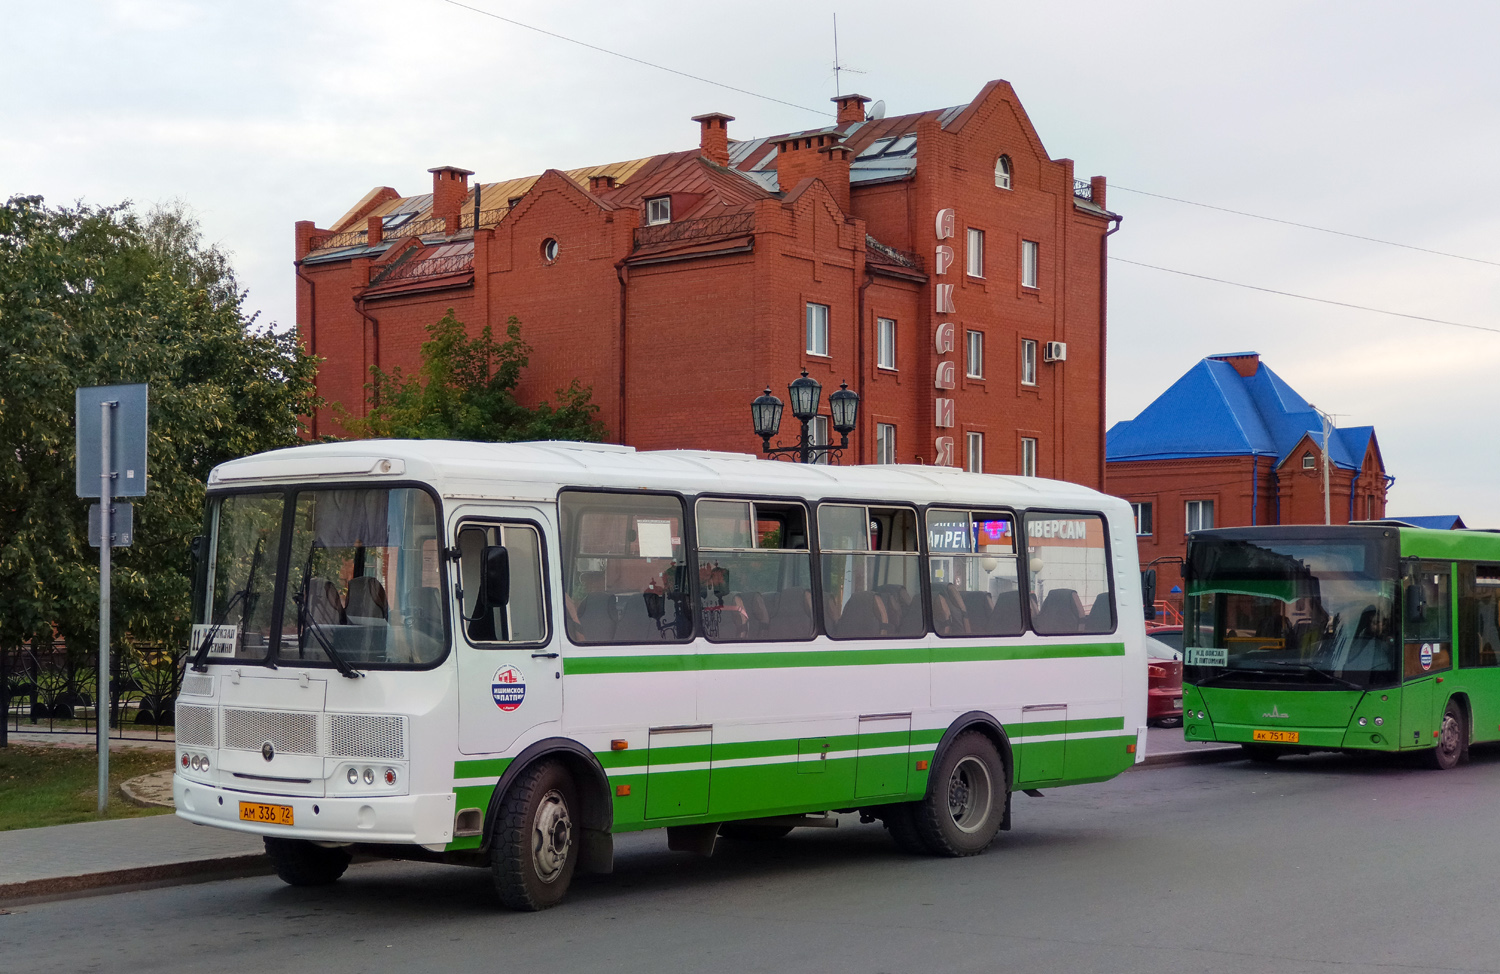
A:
x: 1231, y: 444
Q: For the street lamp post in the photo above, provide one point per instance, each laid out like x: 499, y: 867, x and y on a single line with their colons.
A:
x: 804, y: 393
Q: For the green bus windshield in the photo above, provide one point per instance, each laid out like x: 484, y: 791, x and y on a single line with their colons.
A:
x: 1298, y: 611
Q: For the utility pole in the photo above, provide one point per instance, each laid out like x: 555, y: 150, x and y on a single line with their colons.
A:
x: 1327, y: 498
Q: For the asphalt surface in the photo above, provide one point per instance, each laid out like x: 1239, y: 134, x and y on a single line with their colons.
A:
x: 1315, y: 864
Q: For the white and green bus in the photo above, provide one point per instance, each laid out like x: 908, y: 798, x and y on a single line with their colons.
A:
x: 504, y: 654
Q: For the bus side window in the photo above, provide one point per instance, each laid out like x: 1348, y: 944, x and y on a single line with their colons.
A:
x: 1067, y: 566
x: 1479, y: 610
x: 973, y: 577
x: 523, y: 618
x: 1428, y: 614
x: 871, y: 572
x: 624, y: 568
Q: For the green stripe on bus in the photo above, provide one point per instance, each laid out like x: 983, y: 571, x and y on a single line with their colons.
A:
x: 1086, y: 725
x: 677, y: 662
x: 482, y: 768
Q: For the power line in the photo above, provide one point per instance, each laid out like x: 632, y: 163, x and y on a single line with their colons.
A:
x: 627, y: 57
x: 1309, y: 226
x: 1305, y: 297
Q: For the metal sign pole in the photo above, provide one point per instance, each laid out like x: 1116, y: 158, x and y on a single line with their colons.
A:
x: 106, y: 474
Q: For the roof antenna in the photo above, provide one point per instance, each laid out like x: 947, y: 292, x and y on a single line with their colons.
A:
x: 838, y: 66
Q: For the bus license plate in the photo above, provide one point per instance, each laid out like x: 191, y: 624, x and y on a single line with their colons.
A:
x: 1275, y: 737
x: 275, y: 814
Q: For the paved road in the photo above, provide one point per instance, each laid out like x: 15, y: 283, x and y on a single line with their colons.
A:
x: 1317, y: 864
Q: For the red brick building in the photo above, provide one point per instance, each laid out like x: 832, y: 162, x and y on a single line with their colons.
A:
x: 942, y: 263
x: 1231, y: 444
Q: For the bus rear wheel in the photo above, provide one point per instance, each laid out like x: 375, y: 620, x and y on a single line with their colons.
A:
x: 1453, y: 740
x: 301, y: 863
x: 965, y: 802
x: 535, y: 848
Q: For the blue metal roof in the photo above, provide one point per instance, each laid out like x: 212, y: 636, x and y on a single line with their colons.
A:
x: 1438, y: 522
x: 1213, y: 411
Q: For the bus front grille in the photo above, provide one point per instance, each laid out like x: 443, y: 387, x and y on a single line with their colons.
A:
x: 195, y: 726
x: 376, y: 736
x: 288, y: 733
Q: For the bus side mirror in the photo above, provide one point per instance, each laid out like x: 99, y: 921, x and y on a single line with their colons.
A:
x: 494, y: 579
x: 1148, y: 592
x: 1416, y: 605
x: 197, y: 549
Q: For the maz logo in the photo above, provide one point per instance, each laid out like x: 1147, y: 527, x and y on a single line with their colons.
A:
x: 1276, y: 714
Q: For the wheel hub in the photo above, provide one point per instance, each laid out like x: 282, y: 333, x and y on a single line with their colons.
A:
x: 969, y: 791
x: 551, y: 837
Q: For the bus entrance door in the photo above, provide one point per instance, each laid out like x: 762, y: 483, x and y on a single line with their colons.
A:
x: 1426, y: 648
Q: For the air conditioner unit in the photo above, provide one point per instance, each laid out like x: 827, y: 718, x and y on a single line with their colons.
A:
x: 1055, y: 352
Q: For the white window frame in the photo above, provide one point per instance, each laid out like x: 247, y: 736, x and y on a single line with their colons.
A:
x: 885, y: 442
x: 1136, y: 507
x: 1309, y: 461
x: 974, y: 452
x: 658, y: 210
x: 885, y: 343
x: 975, y: 253
x: 817, y: 329
x: 974, y: 354
x: 818, y: 435
x: 1031, y: 259
x: 1028, y: 456
x: 1003, y: 172
x: 1194, y: 516
x: 1028, y: 361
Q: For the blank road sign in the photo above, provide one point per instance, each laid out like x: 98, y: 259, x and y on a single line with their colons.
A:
x: 127, y: 439
x: 121, y: 524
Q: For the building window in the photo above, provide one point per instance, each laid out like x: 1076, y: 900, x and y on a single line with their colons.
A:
x: 1002, y: 172
x: 1028, y: 456
x: 976, y: 252
x: 817, y: 435
x: 1028, y: 362
x: 885, y: 442
x: 1200, y: 515
x: 1309, y: 461
x: 549, y: 250
x: 974, y: 453
x: 974, y: 354
x: 658, y: 210
x: 817, y: 329
x: 1142, y: 511
x: 885, y: 343
x: 1029, y: 261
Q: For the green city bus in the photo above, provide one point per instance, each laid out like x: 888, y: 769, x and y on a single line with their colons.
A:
x: 1369, y: 637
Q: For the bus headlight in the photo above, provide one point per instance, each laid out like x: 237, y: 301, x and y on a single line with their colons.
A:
x: 353, y: 776
x: 369, y: 777
x: 1379, y: 721
x: 1362, y: 722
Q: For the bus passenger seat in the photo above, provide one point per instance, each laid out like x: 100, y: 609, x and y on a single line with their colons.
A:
x: 636, y: 624
x: 596, y: 618
x: 1005, y: 618
x: 757, y: 616
x: 324, y: 606
x: 1100, y: 619
x: 367, y: 605
x: 793, y: 618
x: 864, y: 617
x: 1061, y: 612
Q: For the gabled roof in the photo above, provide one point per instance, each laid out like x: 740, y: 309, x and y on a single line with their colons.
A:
x: 1215, y: 411
x: 1437, y: 522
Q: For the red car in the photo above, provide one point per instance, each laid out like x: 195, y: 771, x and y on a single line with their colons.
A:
x: 1164, y: 685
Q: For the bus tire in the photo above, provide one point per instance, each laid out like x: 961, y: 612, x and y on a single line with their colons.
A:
x: 901, y: 823
x: 1453, y: 739
x: 966, y: 801
x: 301, y: 863
x: 1261, y: 753
x: 535, y: 848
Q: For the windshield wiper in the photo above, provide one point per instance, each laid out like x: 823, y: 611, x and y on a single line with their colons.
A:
x: 245, y: 595
x: 1309, y: 668
x: 306, y: 623
x: 1230, y: 672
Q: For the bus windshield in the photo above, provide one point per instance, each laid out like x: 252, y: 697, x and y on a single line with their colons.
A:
x: 357, y: 584
x: 1294, y: 612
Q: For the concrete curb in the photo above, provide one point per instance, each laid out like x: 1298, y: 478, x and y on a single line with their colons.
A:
x: 141, y: 877
x: 1202, y: 755
x: 136, y: 790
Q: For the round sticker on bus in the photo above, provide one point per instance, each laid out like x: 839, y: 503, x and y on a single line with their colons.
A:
x: 508, y: 688
x: 1427, y: 656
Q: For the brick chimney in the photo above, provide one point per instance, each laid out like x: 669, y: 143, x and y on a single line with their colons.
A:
x: 1245, y: 363
x: 851, y: 108
x: 713, y: 137
x: 1096, y: 190
x: 375, y: 226
x: 601, y: 184
x: 450, y: 185
x: 822, y: 156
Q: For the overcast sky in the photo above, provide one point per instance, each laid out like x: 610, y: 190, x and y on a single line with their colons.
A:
x: 1377, y: 119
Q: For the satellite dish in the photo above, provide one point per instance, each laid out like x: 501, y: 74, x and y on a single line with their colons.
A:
x: 877, y: 110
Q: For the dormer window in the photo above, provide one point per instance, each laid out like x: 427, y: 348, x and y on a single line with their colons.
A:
x: 1002, y: 172
x: 1309, y: 461
x: 658, y: 210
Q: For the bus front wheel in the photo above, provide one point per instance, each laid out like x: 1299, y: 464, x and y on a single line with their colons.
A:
x: 1453, y: 739
x: 300, y: 863
x: 536, y: 842
x: 964, y: 805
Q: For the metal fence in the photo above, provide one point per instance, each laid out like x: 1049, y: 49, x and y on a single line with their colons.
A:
x: 51, y: 690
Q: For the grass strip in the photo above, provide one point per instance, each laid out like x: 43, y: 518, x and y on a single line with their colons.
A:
x: 58, y: 785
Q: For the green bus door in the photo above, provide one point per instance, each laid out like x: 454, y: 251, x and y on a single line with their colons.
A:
x: 1427, y: 649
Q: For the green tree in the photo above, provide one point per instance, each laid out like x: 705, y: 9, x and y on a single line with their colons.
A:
x: 465, y: 390
x: 100, y: 295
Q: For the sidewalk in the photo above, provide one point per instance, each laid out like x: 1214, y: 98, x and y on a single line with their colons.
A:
x: 72, y: 860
